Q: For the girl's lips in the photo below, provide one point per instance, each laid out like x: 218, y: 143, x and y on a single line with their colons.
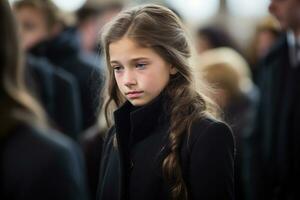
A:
x: 134, y: 94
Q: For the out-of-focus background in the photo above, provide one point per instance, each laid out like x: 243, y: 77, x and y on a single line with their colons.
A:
x: 238, y: 17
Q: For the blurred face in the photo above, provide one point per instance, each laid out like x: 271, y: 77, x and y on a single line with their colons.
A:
x: 265, y: 39
x: 203, y: 44
x: 141, y: 74
x: 287, y: 13
x: 33, y: 26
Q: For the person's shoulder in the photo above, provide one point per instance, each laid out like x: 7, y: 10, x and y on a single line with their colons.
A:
x: 205, y: 123
x: 64, y: 76
x: 210, y: 130
x: 46, y: 141
x: 36, y: 149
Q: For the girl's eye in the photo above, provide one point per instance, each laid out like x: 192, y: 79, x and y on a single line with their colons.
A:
x: 141, y: 65
x: 117, y: 69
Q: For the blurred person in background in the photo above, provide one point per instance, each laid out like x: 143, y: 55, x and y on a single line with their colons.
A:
x: 88, y: 22
x: 91, y: 18
x: 62, y: 48
x: 210, y: 37
x: 275, y: 160
x: 229, y: 75
x: 36, y: 162
x: 56, y: 89
x: 267, y: 33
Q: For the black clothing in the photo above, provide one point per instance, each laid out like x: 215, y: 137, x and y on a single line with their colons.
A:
x: 58, y: 92
x: 240, y: 116
x: 274, y: 154
x: 91, y: 143
x: 64, y: 51
x: 136, y: 146
x: 40, y: 164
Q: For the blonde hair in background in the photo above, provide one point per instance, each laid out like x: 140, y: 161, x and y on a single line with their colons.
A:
x: 229, y: 57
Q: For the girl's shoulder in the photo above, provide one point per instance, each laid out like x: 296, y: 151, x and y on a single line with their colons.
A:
x: 210, y: 131
x: 44, y: 139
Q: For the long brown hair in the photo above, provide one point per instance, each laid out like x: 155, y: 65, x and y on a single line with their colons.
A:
x: 159, y: 28
x: 19, y: 104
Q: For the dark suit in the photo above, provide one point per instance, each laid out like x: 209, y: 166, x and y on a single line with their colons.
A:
x: 274, y: 147
x: 133, y: 169
x: 40, y: 164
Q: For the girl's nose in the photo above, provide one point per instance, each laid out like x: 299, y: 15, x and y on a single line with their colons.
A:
x: 129, y: 79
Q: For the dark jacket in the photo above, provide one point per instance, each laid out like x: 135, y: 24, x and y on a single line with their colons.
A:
x: 131, y: 165
x: 273, y: 155
x: 58, y: 92
x: 64, y: 51
x: 91, y: 142
x: 40, y: 164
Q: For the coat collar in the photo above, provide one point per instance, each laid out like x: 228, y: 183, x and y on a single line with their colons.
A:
x: 137, y: 123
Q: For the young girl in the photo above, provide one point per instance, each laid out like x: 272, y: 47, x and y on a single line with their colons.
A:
x: 164, y: 143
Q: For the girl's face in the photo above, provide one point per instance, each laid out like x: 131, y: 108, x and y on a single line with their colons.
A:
x: 141, y: 74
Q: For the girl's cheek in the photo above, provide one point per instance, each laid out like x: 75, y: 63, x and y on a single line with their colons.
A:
x: 118, y: 83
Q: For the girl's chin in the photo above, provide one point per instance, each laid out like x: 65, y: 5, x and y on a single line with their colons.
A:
x: 137, y: 102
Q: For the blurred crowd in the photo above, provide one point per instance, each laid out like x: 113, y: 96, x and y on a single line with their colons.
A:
x: 53, y: 73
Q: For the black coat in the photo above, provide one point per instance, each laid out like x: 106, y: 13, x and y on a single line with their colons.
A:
x: 64, y: 51
x: 131, y: 166
x: 40, y: 164
x: 57, y: 90
x: 91, y: 142
x: 274, y: 150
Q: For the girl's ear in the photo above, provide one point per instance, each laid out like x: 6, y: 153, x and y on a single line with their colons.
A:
x: 173, y: 70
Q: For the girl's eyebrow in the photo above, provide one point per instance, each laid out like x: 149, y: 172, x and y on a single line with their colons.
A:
x: 132, y: 60
x: 114, y: 62
x: 139, y: 58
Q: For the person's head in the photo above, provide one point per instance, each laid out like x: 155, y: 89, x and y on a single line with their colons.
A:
x: 225, y: 80
x: 287, y: 13
x: 109, y: 11
x: 140, y: 72
x: 92, y: 17
x: 88, y: 12
x: 234, y: 62
x: 19, y: 105
x: 265, y: 39
x: 211, y: 37
x: 38, y: 19
x: 145, y: 38
x: 88, y: 19
x: 147, y: 53
x: 266, y: 34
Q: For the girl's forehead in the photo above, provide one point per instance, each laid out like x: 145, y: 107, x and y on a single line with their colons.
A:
x: 126, y: 41
x: 128, y: 49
